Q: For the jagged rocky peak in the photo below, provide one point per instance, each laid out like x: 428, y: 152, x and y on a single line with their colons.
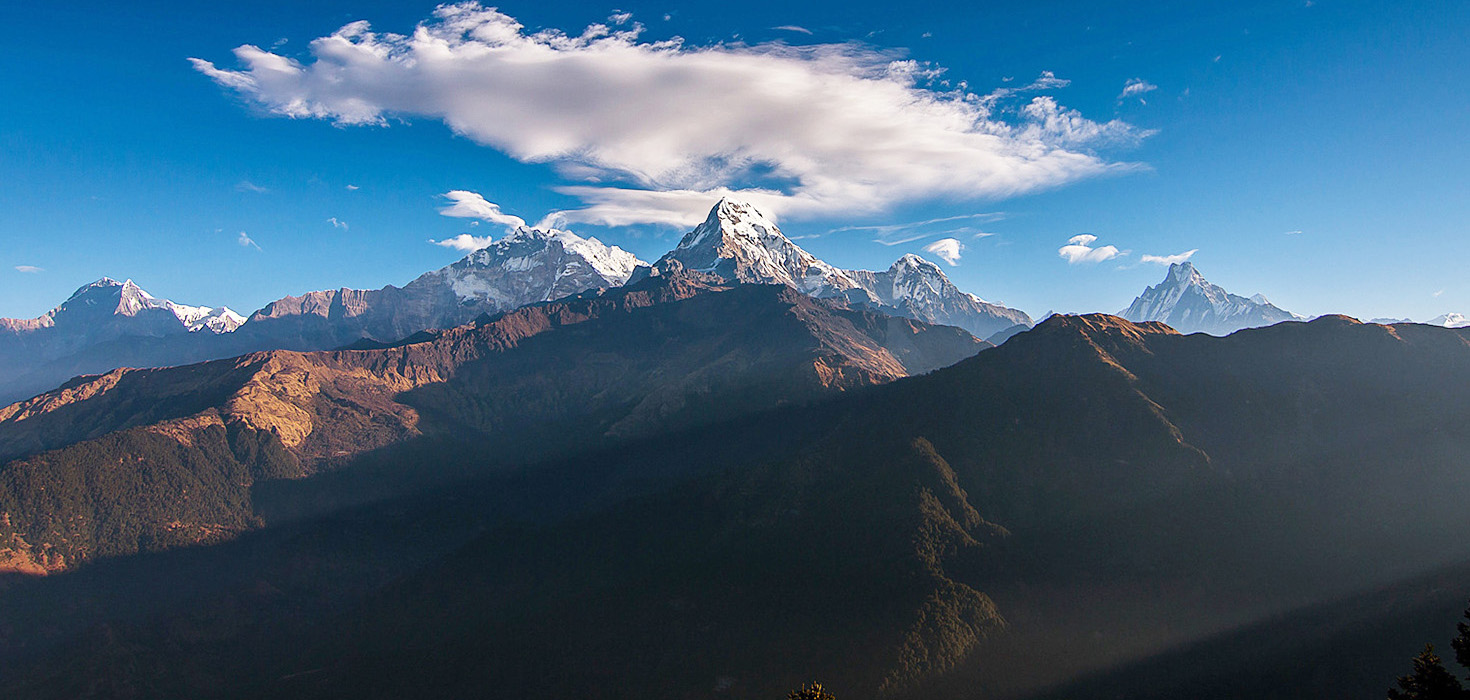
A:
x: 1191, y: 304
x: 738, y: 243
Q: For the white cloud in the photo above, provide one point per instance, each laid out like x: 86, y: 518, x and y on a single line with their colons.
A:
x: 793, y: 28
x: 1294, y: 233
x: 248, y: 186
x: 946, y: 249
x: 1135, y: 87
x: 352, y: 188
x: 246, y: 242
x: 655, y: 131
x: 1079, y: 250
x: 337, y: 224
x: 1169, y: 259
x: 465, y: 242
x: 1436, y: 295
x: 32, y: 269
x: 471, y: 205
x: 619, y: 17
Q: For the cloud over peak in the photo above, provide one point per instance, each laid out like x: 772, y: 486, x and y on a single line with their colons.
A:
x: 640, y: 128
x: 1079, y: 250
x: 472, y: 205
x: 946, y: 249
x: 1169, y: 259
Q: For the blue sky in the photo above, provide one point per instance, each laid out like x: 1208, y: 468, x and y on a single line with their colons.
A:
x: 1313, y: 152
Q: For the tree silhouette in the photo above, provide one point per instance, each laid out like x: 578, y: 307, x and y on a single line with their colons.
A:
x: 1429, y: 681
x: 815, y: 691
x: 1461, y: 642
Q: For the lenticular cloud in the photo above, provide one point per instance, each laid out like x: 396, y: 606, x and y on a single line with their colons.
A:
x: 807, y: 130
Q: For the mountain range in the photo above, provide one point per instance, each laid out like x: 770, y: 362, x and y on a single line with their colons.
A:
x: 736, y: 243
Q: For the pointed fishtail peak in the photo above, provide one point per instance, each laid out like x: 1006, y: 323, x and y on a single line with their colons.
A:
x: 1191, y: 304
x: 1184, y: 273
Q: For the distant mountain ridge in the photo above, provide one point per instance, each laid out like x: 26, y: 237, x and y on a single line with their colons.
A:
x: 527, y: 266
x: 1187, y: 302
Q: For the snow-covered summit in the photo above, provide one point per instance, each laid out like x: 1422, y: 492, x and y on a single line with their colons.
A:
x: 918, y: 288
x: 531, y: 265
x: 1450, y: 320
x: 738, y: 243
x: 1190, y: 304
x: 108, y: 301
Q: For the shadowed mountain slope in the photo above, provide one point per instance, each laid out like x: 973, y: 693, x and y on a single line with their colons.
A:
x: 1091, y: 493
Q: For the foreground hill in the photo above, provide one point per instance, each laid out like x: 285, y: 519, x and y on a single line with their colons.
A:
x: 1092, y: 493
x: 138, y: 460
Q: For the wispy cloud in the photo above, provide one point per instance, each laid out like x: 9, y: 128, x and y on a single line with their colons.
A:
x: 839, y: 128
x: 248, y: 186
x: 1079, y: 250
x: 465, y: 242
x: 246, y: 241
x: 29, y: 269
x: 337, y: 224
x: 352, y: 188
x: 1436, y: 295
x: 946, y: 249
x: 793, y: 28
x: 618, y: 17
x: 471, y: 205
x: 1169, y: 259
x: 908, y: 232
x: 1136, y: 87
x: 1294, y: 233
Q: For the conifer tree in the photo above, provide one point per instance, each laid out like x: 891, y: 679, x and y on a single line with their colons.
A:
x: 815, y: 691
x: 1429, y: 681
x: 1461, y: 643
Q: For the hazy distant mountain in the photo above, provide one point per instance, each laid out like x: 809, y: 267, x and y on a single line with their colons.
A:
x: 1190, y: 304
x: 1450, y: 320
x: 527, y: 266
x: 103, y: 325
x: 736, y: 242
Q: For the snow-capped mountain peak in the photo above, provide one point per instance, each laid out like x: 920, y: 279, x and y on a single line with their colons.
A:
x: 1189, y: 303
x: 917, y: 288
x: 1450, y: 320
x: 740, y: 244
x: 531, y: 265
x: 107, y: 299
